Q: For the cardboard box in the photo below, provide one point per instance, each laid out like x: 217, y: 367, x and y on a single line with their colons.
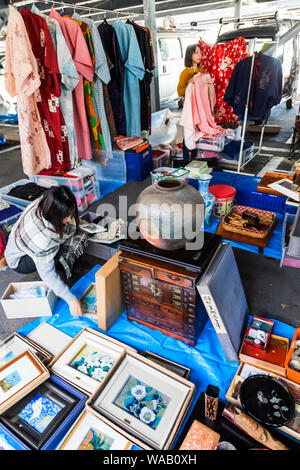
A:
x: 23, y: 308
x: 110, y: 303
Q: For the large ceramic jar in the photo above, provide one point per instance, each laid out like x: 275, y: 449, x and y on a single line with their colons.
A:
x: 170, y: 213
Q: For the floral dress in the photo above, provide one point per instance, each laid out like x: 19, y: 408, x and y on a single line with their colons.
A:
x: 22, y: 80
x: 48, y: 98
x: 219, y: 61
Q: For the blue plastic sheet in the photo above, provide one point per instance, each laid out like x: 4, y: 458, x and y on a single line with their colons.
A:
x: 206, y: 359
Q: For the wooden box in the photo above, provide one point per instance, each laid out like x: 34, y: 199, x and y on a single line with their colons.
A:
x: 110, y: 304
x: 292, y: 428
x: 162, y: 296
x: 272, y: 360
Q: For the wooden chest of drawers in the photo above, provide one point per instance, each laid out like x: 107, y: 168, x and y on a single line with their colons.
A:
x: 162, y: 296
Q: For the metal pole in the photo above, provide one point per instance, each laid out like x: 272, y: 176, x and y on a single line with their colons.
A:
x: 150, y: 23
x: 246, y: 107
x: 237, y: 12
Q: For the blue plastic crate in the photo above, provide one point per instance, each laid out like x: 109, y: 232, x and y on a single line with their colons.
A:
x: 138, y: 160
x: 264, y: 201
x: 139, y: 165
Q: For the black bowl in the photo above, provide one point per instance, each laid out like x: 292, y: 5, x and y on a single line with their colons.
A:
x: 265, y: 399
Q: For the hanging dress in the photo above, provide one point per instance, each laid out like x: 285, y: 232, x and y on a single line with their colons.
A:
x: 22, y: 80
x: 48, y: 101
x: 101, y: 77
x: 219, y: 61
x: 69, y: 80
x: 134, y: 71
x: 116, y: 85
x: 83, y: 63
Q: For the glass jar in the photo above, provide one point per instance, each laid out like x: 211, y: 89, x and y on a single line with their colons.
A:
x: 209, y: 199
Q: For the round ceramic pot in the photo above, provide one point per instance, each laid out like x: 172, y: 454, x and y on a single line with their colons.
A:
x: 170, y: 213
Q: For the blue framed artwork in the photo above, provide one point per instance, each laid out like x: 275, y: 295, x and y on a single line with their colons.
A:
x: 8, y: 441
x: 42, y: 417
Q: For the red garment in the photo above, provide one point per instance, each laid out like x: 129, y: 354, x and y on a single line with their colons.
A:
x: 48, y: 94
x: 219, y: 61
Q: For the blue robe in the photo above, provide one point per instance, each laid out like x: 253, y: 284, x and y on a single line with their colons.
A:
x: 134, y: 71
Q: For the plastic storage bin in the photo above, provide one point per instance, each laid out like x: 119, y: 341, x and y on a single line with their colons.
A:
x: 224, y: 199
x: 214, y: 144
x: 138, y: 165
x: 115, y: 170
x: 292, y: 374
x: 14, y: 200
x: 180, y: 173
x: 263, y: 201
x: 81, y: 180
x: 160, y: 158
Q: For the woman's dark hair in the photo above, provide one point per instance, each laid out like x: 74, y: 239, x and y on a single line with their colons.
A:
x: 56, y: 204
x: 190, y: 50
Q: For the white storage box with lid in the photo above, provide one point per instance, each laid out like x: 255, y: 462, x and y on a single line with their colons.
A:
x: 27, y: 307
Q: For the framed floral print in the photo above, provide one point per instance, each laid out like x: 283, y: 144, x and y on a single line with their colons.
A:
x: 18, y: 377
x: 87, y: 360
x: 143, y: 400
x: 90, y: 432
x: 16, y: 344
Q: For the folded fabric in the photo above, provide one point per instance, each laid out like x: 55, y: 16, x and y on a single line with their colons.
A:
x: 30, y: 292
x: 125, y: 143
x: 10, y: 212
x: 28, y: 191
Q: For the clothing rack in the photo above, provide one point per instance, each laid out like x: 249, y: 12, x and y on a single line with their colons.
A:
x: 240, y: 164
x: 80, y: 6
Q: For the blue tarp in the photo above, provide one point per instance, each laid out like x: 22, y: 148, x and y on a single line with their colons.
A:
x: 206, y: 360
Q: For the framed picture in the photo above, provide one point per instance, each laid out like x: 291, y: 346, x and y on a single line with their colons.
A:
x: 16, y: 344
x: 10, y: 442
x: 18, y: 377
x: 143, y: 400
x: 170, y: 365
x: 49, y: 338
x: 37, y: 416
x: 89, y: 301
x: 91, y: 433
x: 87, y: 360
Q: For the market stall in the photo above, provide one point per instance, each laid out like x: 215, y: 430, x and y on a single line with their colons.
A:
x: 166, y: 352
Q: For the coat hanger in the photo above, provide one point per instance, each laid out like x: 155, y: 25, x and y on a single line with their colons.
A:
x: 104, y: 19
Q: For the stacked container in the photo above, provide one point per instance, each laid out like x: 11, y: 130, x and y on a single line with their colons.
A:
x: 82, y: 182
x: 139, y: 165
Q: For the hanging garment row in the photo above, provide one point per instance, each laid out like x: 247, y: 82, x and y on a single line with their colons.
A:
x: 78, y: 86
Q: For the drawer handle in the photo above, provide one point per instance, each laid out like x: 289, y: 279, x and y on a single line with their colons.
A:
x: 172, y: 277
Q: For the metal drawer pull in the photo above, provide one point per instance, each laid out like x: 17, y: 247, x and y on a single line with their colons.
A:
x: 173, y: 277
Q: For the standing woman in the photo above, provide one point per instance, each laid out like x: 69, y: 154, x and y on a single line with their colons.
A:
x: 192, y: 63
x: 36, y: 240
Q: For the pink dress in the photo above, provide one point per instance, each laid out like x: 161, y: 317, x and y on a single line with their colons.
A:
x: 83, y: 63
x: 201, y: 106
x: 22, y: 80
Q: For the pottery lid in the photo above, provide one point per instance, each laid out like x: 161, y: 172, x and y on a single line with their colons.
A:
x: 222, y: 191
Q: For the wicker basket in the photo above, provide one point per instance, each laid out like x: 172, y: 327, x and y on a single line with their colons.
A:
x: 265, y: 217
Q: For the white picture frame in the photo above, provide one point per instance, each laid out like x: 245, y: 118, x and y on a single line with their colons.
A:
x: 76, y: 438
x: 287, y: 187
x: 84, y: 344
x: 50, y: 338
x: 171, y: 396
x: 15, y: 345
x: 18, y: 377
